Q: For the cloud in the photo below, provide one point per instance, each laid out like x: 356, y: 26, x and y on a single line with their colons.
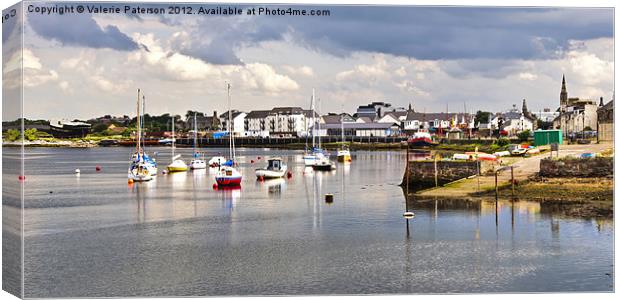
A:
x: 80, y: 30
x: 303, y: 70
x: 172, y: 65
x: 34, y: 73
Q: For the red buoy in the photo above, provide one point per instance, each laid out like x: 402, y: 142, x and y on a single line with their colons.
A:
x: 261, y: 178
x: 251, y: 161
x: 98, y: 168
x: 215, y: 186
x: 289, y: 174
x: 22, y: 177
x: 259, y: 158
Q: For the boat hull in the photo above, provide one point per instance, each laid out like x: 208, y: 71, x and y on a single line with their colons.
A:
x: 267, y: 174
x: 228, y: 181
x: 196, y: 165
x: 420, y: 142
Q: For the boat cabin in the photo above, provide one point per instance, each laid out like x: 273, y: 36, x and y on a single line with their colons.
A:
x: 274, y: 164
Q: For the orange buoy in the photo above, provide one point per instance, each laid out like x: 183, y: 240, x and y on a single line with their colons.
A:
x: 129, y: 181
x: 98, y: 168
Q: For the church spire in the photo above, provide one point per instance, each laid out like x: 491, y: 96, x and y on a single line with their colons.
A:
x: 563, y: 93
x: 524, y: 108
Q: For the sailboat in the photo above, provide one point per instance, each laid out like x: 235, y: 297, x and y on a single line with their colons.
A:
x: 316, y: 153
x: 227, y: 175
x: 140, y: 166
x: 322, y: 162
x: 343, y: 154
x: 197, y: 162
x: 177, y: 164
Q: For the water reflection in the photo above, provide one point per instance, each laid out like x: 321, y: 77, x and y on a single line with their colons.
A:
x: 281, y: 237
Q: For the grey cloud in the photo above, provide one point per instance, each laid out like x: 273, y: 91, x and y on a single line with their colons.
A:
x: 433, y: 33
x: 80, y: 30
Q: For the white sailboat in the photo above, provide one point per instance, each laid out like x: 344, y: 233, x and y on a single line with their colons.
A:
x: 177, y: 164
x: 316, y: 153
x: 228, y: 175
x: 343, y: 154
x: 140, y: 163
x: 196, y: 163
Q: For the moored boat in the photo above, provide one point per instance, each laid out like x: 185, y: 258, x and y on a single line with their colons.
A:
x: 275, y: 169
x: 177, y: 164
x: 228, y: 175
x: 421, y: 139
x: 141, y: 166
x: 324, y: 164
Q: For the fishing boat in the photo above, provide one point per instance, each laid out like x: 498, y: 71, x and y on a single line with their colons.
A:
x: 275, y: 169
x: 316, y: 153
x: 196, y: 163
x: 228, y: 175
x: 177, y: 164
x: 343, y: 154
x: 140, y: 166
x: 421, y: 139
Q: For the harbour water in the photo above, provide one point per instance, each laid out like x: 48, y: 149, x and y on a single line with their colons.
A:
x: 95, y: 235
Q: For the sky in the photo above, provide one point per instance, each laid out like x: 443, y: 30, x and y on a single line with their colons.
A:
x: 434, y: 58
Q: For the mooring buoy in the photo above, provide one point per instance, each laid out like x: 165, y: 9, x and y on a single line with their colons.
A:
x: 329, y: 198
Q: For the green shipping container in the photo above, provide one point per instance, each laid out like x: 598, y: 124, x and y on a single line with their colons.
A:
x: 546, y: 137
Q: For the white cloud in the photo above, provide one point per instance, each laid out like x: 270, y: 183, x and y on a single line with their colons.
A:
x: 65, y: 87
x: 175, y: 66
x: 527, y: 76
x: 303, y: 70
x: 34, y: 74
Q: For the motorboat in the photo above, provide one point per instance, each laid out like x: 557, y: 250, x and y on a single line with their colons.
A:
x: 344, y: 155
x: 420, y: 139
x: 275, y: 169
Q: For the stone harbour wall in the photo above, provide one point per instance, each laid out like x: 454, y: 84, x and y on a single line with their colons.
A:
x: 574, y: 167
x: 422, y: 173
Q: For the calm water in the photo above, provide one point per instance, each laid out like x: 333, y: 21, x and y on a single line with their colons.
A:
x: 95, y: 235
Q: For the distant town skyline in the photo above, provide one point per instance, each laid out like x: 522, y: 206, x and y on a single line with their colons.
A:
x: 79, y: 66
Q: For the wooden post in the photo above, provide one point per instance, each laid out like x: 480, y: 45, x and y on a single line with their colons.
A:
x: 478, y: 173
x: 512, y: 180
x: 496, y: 188
x: 435, y: 163
x: 407, y: 176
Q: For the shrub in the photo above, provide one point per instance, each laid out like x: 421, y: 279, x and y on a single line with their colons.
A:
x: 524, y: 135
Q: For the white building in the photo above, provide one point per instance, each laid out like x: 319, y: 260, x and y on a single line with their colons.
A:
x: 238, y: 122
x: 280, y: 122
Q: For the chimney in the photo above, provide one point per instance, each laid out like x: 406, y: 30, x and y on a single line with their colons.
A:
x: 601, y: 104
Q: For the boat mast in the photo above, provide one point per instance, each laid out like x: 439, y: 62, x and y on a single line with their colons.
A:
x: 231, y: 141
x: 143, y: 137
x: 342, y: 128
x: 319, y: 123
x: 138, y: 124
x: 195, y: 133
x: 313, y: 120
x: 173, y: 137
